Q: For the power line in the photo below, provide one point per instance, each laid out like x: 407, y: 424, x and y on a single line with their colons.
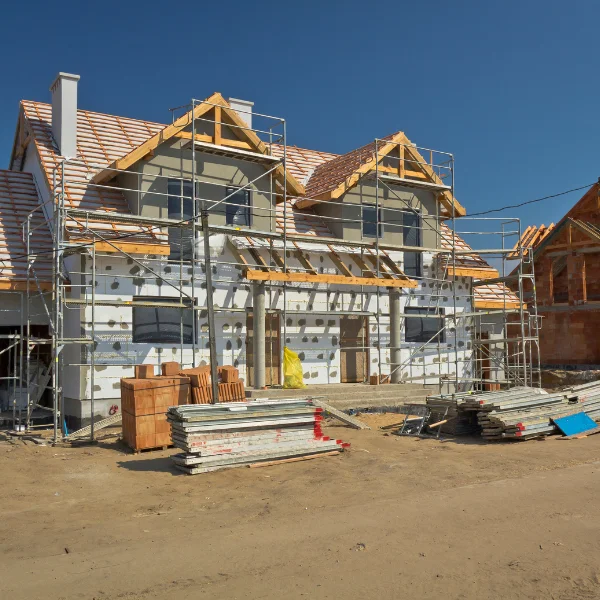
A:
x: 495, y: 210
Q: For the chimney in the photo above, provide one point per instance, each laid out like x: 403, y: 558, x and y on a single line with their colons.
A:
x: 243, y: 108
x: 64, y: 113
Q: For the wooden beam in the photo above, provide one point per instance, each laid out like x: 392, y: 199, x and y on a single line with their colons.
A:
x: 256, y: 275
x: 20, y: 286
x: 497, y: 304
x: 372, y: 258
x: 303, y: 260
x: 362, y: 265
x: 158, y: 138
x: 130, y: 247
x: 237, y: 254
x: 394, y: 268
x: 277, y: 258
x: 402, y: 165
x: 477, y: 273
x: 337, y: 261
x: 218, y: 130
x: 260, y: 261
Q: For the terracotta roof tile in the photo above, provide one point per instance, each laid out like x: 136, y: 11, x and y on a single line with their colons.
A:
x: 18, y: 198
x: 329, y: 175
x: 302, y: 162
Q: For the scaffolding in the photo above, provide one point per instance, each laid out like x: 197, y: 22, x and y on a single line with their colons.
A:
x: 84, y: 236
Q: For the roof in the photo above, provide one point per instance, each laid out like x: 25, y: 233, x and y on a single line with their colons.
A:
x: 19, y: 198
x: 464, y: 261
x: 302, y: 162
x: 104, y: 139
x: 329, y: 175
x: 100, y: 138
x: 494, y: 295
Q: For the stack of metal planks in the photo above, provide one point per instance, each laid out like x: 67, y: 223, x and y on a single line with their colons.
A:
x: 228, y: 435
x: 525, y: 413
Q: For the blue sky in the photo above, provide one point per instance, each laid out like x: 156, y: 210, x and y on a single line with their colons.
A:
x: 510, y: 88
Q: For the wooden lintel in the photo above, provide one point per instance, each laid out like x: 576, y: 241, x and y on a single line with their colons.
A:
x: 256, y: 275
x: 477, y: 273
x: 202, y: 137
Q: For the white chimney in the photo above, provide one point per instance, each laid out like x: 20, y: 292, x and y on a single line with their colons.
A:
x: 64, y: 113
x: 243, y: 108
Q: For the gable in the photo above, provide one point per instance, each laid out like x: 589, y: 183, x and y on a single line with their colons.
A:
x: 222, y: 114
x: 334, y: 178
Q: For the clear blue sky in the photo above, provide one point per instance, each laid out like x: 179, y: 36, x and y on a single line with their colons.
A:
x: 511, y: 88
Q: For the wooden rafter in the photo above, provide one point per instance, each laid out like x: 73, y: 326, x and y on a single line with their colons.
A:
x: 240, y: 258
x: 362, y: 265
x: 257, y: 275
x: 372, y: 258
x: 260, y: 261
x: 303, y: 260
x: 337, y: 261
x: 277, y: 258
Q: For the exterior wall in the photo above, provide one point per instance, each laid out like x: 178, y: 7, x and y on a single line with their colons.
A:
x: 312, y: 327
x: 348, y: 208
x: 150, y: 178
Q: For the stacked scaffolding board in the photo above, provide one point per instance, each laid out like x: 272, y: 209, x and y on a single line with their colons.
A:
x: 521, y: 413
x: 228, y: 435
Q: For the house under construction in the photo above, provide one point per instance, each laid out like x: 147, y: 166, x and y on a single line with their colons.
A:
x: 211, y: 239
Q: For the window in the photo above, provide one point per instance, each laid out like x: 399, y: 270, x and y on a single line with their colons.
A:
x: 180, y: 207
x: 411, y: 234
x: 428, y: 328
x: 163, y: 324
x: 237, y: 210
x: 369, y: 223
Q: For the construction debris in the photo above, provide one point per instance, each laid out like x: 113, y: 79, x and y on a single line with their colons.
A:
x: 228, y: 435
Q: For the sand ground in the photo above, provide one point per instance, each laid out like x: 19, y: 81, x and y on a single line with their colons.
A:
x: 391, y: 518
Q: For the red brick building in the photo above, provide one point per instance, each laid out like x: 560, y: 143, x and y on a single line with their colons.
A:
x: 567, y: 273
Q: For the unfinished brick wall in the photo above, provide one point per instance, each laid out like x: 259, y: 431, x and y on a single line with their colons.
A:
x: 570, y: 337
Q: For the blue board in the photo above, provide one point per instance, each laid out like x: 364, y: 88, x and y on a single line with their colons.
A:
x: 575, y: 424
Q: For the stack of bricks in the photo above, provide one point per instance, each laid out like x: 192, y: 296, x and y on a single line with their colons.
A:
x: 231, y: 388
x: 145, y: 400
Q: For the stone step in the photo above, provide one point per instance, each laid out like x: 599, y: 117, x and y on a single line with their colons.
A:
x: 333, y: 391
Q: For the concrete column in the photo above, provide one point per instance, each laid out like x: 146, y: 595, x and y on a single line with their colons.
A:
x: 395, y: 334
x: 259, y: 317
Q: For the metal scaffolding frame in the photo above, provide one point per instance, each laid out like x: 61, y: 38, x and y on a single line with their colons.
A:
x: 75, y: 289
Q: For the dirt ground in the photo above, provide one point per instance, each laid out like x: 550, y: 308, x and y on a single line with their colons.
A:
x: 391, y: 518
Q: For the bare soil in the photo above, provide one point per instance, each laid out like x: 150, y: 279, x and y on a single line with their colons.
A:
x: 391, y: 518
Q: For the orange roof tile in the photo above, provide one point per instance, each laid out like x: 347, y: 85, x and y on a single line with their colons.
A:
x: 302, y: 162
x: 329, y: 175
x: 19, y: 198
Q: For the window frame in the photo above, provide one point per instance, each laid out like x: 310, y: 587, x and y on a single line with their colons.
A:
x: 159, y: 324
x: 440, y: 337
x: 418, y: 271
x: 173, y: 232
x: 378, y: 223
x: 232, y: 191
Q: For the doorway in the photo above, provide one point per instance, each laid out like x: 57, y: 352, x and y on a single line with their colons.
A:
x: 354, y: 353
x: 272, y: 348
